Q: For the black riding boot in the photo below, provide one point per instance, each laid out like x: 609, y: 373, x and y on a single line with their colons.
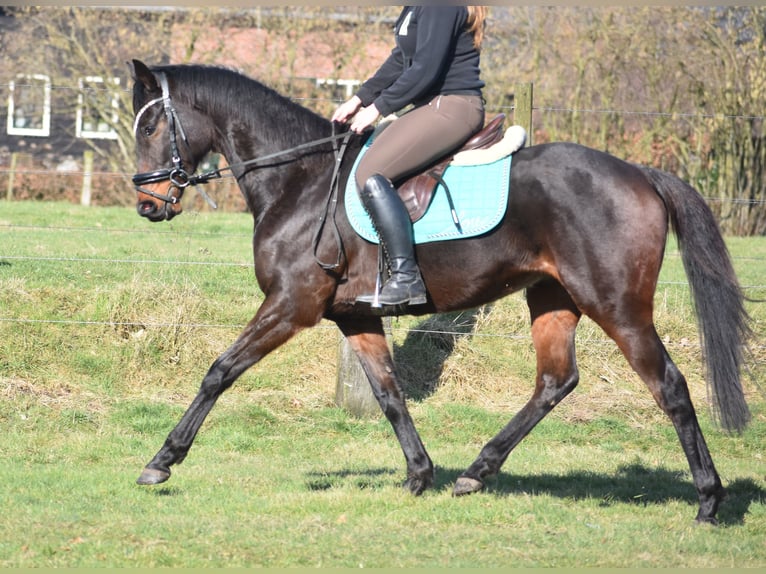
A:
x: 392, y: 223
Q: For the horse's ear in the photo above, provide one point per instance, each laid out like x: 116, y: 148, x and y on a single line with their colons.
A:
x: 141, y: 73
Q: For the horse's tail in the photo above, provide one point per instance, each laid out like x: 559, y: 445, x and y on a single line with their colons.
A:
x: 718, y: 300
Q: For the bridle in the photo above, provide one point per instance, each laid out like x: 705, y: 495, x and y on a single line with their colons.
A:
x: 177, y: 175
x: 181, y: 179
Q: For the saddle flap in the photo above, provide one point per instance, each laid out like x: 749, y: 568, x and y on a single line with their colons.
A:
x: 417, y: 191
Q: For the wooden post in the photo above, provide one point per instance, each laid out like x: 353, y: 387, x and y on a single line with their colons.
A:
x: 11, y: 176
x: 522, y: 114
x: 87, y: 176
x: 352, y: 389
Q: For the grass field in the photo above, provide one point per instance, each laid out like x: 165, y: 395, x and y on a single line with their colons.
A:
x: 108, y: 323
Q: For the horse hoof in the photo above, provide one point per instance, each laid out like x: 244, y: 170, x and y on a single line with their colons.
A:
x: 711, y: 520
x: 153, y: 476
x: 417, y: 486
x: 465, y: 485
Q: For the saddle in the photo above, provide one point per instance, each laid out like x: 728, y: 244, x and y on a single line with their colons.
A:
x: 417, y: 191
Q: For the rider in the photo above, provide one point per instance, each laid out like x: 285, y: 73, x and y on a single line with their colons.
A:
x: 434, y: 67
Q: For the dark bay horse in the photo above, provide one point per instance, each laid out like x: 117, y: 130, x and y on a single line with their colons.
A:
x: 584, y: 233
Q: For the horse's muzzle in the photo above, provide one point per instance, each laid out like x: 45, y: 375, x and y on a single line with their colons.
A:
x: 156, y: 205
x: 153, y: 212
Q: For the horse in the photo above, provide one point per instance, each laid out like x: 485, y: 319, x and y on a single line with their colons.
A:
x: 584, y: 233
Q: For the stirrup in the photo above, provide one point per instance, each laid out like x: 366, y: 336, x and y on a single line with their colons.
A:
x: 407, y: 298
x: 376, y: 302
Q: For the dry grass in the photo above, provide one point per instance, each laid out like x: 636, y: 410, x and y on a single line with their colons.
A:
x: 59, y: 395
x: 487, y: 359
x: 156, y: 329
x: 159, y: 338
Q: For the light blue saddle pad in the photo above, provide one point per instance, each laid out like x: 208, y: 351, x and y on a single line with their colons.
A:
x: 479, y: 193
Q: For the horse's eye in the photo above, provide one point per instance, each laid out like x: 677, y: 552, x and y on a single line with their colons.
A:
x: 149, y: 130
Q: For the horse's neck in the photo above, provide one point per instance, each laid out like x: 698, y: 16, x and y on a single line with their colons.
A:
x: 259, y: 123
x: 291, y: 177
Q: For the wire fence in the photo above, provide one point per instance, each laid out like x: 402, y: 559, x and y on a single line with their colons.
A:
x: 8, y: 257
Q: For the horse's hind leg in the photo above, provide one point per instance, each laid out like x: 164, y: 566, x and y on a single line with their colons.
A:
x: 554, y: 320
x: 368, y: 341
x: 647, y: 355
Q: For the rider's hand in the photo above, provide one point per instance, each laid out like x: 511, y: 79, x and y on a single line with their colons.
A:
x: 347, y: 109
x: 365, y: 118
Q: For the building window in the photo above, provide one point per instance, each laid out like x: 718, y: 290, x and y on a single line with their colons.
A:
x: 29, y: 105
x: 338, y: 89
x: 97, y: 106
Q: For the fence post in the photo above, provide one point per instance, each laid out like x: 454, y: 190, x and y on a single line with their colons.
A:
x: 87, y: 176
x: 352, y: 389
x: 11, y: 176
x: 522, y: 114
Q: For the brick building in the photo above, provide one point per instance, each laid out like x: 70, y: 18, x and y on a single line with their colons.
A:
x: 51, y: 121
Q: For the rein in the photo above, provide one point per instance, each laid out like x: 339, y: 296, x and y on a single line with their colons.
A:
x: 331, y: 208
x: 181, y: 179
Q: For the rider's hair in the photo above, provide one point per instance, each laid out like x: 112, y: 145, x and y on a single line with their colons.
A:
x: 477, y: 16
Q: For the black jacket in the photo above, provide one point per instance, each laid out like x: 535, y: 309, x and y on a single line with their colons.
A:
x: 434, y: 54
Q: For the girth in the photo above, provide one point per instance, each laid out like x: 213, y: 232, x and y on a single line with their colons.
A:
x: 417, y: 191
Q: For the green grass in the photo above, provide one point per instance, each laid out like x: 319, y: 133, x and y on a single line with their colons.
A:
x: 109, y: 323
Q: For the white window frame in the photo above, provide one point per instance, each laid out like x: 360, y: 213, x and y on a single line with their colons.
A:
x: 21, y: 79
x: 84, y: 84
x: 348, y: 85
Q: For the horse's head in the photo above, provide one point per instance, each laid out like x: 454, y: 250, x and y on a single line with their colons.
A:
x: 170, y: 142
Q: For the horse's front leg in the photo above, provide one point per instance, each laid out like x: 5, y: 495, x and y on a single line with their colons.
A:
x: 267, y: 331
x: 368, y: 340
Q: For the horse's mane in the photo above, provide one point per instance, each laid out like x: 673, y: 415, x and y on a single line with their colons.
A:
x: 227, y: 89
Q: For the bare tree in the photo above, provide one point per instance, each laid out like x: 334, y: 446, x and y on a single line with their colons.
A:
x: 726, y: 155
x: 86, y: 48
x: 681, y: 88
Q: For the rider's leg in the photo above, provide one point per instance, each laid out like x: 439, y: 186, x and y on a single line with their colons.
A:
x: 392, y: 223
x: 417, y: 139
